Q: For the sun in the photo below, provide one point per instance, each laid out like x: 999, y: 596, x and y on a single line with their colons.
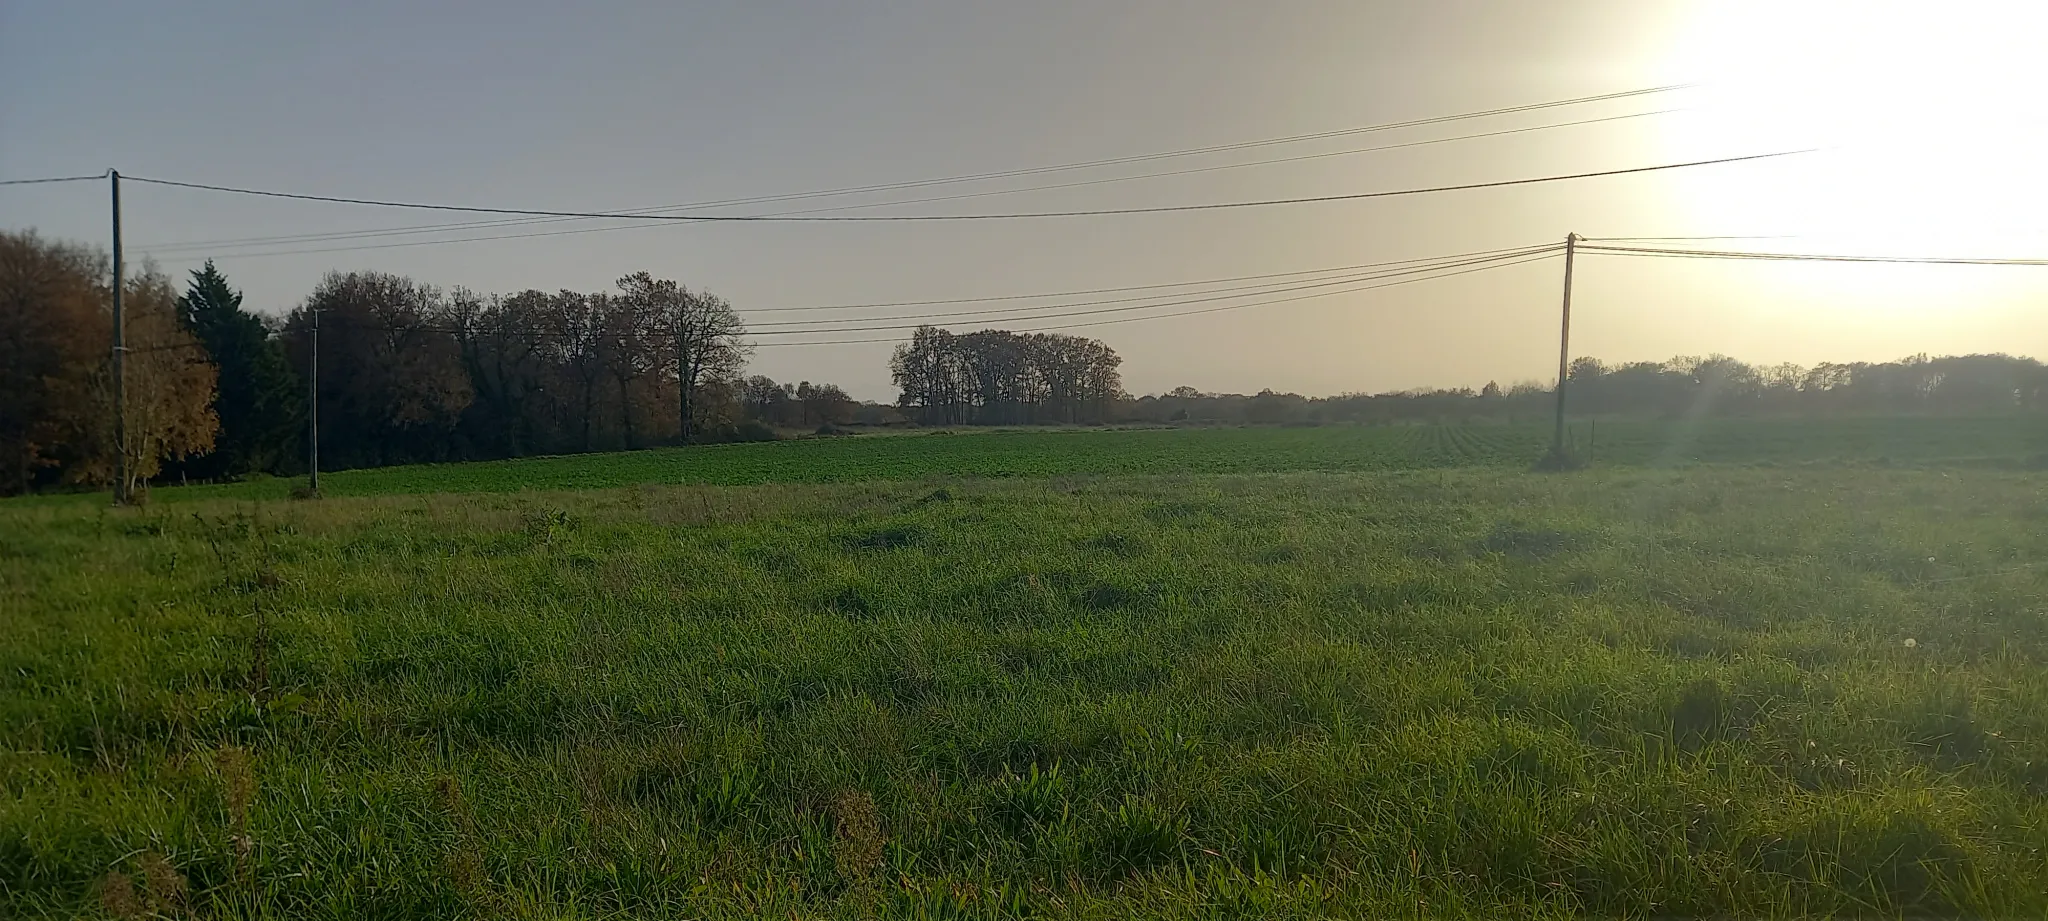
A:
x: 1930, y: 119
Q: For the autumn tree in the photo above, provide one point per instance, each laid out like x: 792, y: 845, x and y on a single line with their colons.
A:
x: 53, y: 331
x: 56, y: 380
x: 168, y: 388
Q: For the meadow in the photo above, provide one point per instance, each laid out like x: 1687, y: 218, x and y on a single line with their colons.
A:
x: 1204, y: 673
x: 1983, y: 441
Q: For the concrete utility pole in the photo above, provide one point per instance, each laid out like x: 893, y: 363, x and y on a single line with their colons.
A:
x: 313, y: 409
x: 1564, y: 344
x: 120, y: 356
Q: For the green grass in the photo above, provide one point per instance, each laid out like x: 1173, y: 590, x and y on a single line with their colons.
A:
x: 1983, y: 441
x: 1334, y: 692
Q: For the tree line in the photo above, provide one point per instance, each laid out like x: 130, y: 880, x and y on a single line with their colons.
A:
x: 407, y: 372
x: 411, y: 373
x: 1681, y: 386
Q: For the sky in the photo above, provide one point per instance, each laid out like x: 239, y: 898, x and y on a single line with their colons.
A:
x: 1925, y: 117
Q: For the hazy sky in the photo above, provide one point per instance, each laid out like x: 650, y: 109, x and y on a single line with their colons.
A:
x: 1931, y: 112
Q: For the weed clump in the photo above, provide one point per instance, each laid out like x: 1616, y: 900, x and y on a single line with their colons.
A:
x: 118, y: 896
x: 163, y: 887
x: 1135, y: 836
x: 857, y: 839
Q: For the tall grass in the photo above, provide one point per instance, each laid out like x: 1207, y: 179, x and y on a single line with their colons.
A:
x: 1428, y: 693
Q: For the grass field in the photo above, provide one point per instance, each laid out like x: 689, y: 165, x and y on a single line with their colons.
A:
x: 1099, y: 686
x: 1981, y: 441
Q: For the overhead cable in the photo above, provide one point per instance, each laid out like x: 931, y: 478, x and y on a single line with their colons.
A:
x: 52, y: 179
x: 1189, y: 313
x: 1445, y: 269
x: 1328, y: 270
x: 446, y: 228
x: 1218, y: 295
x: 1017, y: 215
x: 1003, y: 174
x: 1803, y: 257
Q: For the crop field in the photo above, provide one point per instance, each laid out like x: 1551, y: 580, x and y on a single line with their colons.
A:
x: 1187, y: 673
x: 1992, y: 441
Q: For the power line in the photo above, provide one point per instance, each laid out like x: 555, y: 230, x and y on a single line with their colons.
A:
x: 1462, y: 259
x: 1804, y: 257
x: 1541, y: 252
x: 1176, y: 284
x: 442, y: 228
x: 762, y: 218
x: 1189, y: 313
x: 1446, y: 268
x: 1780, y: 236
x: 1003, y: 174
x: 52, y: 179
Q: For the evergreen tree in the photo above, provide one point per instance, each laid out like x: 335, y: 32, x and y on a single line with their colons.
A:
x: 258, y: 399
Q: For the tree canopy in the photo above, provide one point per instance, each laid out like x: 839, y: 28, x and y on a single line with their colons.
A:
x: 56, y: 382
x: 258, y: 399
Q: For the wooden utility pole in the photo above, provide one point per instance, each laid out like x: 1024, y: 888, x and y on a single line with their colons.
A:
x: 1564, y: 344
x: 120, y: 357
x: 313, y: 408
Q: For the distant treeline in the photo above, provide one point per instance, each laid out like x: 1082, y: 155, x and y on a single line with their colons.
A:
x: 1718, y: 385
x: 411, y: 373
x: 994, y: 377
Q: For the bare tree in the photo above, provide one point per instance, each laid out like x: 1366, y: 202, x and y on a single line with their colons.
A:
x: 762, y: 399
x: 575, y: 326
x: 630, y: 347
x: 704, y: 332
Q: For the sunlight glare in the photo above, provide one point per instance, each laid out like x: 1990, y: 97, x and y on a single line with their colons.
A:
x: 1929, y: 116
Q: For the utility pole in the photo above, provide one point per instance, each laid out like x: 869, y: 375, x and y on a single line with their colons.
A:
x: 313, y: 408
x: 1564, y: 344
x: 120, y: 356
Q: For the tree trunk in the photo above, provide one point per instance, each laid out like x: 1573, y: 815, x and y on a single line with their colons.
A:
x: 683, y: 389
x: 626, y: 413
x: 589, y: 407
